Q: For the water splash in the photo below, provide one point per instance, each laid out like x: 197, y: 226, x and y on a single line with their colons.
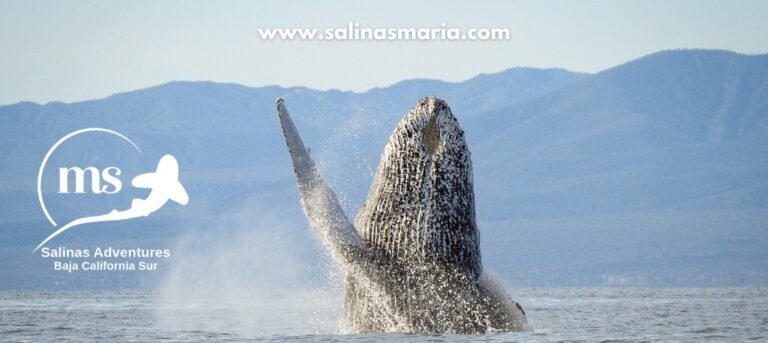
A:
x: 250, y: 272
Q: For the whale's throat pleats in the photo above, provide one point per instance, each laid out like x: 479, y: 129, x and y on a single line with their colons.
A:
x: 419, y: 222
x: 420, y: 208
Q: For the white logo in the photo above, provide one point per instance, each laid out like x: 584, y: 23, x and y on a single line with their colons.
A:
x: 163, y: 183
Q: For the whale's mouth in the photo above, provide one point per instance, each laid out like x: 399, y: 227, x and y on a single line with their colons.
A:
x: 432, y: 135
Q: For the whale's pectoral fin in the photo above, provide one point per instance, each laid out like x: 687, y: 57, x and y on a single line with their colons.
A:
x: 320, y: 203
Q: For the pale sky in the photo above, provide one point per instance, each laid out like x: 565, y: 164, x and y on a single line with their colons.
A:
x: 77, y: 50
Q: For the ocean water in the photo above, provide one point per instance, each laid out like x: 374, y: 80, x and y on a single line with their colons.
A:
x: 581, y: 314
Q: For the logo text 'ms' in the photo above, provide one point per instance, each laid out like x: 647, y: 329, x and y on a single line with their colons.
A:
x: 108, y: 175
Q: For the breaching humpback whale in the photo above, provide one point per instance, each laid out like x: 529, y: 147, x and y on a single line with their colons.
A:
x: 412, y: 257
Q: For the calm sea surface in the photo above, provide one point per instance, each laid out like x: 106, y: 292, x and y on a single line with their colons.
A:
x: 585, y: 314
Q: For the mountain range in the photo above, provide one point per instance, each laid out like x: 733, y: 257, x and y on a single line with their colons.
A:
x: 650, y: 173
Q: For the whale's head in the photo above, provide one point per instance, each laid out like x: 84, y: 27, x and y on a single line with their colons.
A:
x: 421, y: 204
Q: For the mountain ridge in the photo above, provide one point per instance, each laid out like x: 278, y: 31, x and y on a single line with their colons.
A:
x: 671, y: 148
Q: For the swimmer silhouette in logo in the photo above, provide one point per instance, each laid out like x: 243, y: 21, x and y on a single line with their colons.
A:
x: 164, y: 184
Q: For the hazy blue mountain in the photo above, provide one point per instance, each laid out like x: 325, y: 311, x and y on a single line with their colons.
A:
x: 654, y: 172
x: 661, y: 132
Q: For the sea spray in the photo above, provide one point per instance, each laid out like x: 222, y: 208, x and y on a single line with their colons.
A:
x: 253, y: 271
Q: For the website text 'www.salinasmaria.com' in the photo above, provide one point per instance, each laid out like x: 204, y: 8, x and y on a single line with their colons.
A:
x: 355, y: 32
